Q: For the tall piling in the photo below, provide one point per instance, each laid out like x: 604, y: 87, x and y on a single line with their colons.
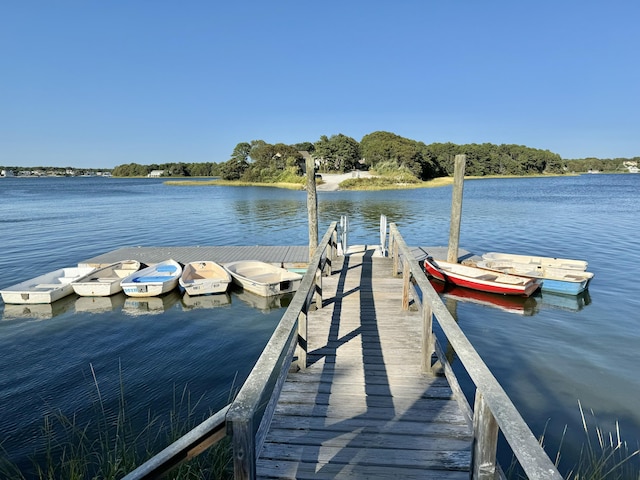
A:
x: 456, y: 208
x: 312, y: 205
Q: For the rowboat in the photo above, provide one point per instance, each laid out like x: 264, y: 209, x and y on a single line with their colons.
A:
x: 154, y: 280
x: 201, y: 278
x: 565, y: 281
x: 479, y: 279
x: 263, y: 278
x: 105, y: 281
x: 46, y: 288
x: 534, y: 260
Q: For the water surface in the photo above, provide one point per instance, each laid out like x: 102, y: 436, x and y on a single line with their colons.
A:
x: 548, y: 352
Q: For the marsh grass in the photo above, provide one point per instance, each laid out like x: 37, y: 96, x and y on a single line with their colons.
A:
x: 108, y: 446
x: 603, y: 456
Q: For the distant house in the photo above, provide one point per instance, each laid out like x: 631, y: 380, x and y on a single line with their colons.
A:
x: 156, y: 173
x: 6, y: 173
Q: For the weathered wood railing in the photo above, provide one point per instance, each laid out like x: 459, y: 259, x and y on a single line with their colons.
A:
x: 250, y: 414
x: 493, y: 410
x: 247, y: 418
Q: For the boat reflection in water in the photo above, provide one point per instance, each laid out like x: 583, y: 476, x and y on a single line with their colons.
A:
x: 100, y: 304
x: 151, y: 305
x: 42, y: 311
x: 573, y: 303
x: 192, y: 302
x: 526, y: 306
x: 264, y: 304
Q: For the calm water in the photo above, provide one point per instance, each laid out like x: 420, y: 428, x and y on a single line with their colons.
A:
x: 548, y: 352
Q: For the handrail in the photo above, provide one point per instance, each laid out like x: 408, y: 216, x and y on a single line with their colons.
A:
x: 259, y: 393
x: 493, y: 409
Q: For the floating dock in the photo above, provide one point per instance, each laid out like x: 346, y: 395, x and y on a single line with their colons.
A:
x: 287, y: 256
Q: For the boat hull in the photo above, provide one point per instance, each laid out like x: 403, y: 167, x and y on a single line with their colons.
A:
x: 204, y: 278
x: 153, y: 281
x: 263, y: 278
x: 478, y: 279
x: 45, y: 288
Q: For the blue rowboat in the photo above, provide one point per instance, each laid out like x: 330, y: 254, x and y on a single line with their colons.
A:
x: 565, y: 281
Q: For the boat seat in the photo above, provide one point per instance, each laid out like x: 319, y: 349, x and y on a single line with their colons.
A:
x: 166, y: 268
x: 160, y: 278
x: 487, y: 276
x: 266, y: 278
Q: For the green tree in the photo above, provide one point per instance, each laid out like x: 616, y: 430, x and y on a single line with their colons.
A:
x: 338, y: 152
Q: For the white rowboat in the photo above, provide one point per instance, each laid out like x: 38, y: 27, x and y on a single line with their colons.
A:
x: 46, y: 288
x: 105, y: 281
x: 534, y: 260
x: 154, y: 280
x: 201, y: 278
x: 263, y: 278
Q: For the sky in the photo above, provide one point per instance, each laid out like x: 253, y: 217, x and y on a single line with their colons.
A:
x: 95, y: 84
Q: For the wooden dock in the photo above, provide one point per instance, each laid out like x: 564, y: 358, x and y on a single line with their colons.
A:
x: 363, y: 408
x: 291, y: 256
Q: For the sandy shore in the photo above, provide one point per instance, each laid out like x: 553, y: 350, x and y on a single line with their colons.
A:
x: 332, y: 180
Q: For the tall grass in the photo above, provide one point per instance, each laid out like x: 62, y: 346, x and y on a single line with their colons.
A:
x: 108, y: 446
x: 603, y: 455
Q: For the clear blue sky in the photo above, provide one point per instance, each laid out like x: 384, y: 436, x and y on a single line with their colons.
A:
x: 90, y: 83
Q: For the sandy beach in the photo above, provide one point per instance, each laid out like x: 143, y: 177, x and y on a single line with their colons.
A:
x: 332, y: 180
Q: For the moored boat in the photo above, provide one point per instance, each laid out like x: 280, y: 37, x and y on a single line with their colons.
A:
x: 263, y: 278
x: 153, y: 280
x: 566, y: 281
x: 105, y: 281
x: 535, y: 260
x: 479, y: 279
x: 45, y: 288
x: 202, y: 278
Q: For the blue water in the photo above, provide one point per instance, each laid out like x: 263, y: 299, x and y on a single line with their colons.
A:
x: 551, y: 355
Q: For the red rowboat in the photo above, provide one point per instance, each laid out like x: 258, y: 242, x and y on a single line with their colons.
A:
x: 480, y: 279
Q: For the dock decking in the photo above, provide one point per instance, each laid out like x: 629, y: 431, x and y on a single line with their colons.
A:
x: 363, y: 408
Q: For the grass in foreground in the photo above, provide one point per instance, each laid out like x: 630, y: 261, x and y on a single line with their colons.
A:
x: 602, y: 456
x: 108, y: 447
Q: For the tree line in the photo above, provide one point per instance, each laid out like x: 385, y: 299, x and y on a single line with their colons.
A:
x: 259, y: 161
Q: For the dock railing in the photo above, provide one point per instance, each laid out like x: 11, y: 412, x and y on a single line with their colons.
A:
x: 251, y: 412
x: 247, y: 418
x: 493, y: 410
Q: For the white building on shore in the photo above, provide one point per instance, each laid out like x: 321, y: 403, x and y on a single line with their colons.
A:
x: 6, y: 173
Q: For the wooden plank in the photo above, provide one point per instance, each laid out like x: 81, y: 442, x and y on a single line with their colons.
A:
x: 329, y: 471
x: 364, y: 407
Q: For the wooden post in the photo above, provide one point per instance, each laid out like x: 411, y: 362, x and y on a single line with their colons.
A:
x: 396, y: 258
x: 303, y: 335
x: 427, y: 337
x: 456, y: 208
x: 312, y: 206
x: 485, y: 441
x: 406, y: 280
x: 244, y: 453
